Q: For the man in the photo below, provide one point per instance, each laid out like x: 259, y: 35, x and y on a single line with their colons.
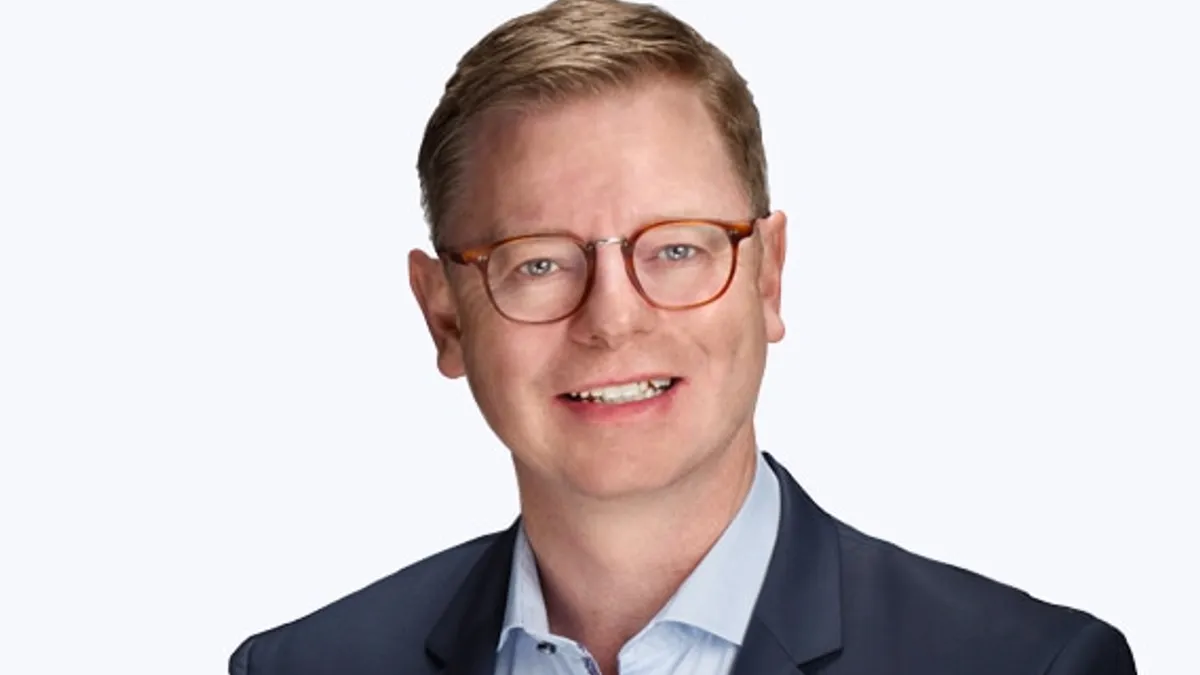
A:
x: 608, y: 279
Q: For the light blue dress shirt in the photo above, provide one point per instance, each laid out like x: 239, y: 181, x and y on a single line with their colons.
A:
x: 698, y: 632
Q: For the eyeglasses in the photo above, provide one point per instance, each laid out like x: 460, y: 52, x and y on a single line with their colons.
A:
x: 674, y: 265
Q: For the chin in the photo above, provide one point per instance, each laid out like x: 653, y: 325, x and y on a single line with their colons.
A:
x: 616, y: 471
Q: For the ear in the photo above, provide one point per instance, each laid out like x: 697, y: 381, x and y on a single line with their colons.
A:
x: 773, y: 235
x: 432, y: 290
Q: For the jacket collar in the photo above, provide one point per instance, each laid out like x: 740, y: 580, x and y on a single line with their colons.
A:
x: 463, y: 641
x: 797, y: 618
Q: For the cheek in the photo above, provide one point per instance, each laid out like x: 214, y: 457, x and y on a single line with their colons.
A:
x: 731, y: 338
x: 504, y: 361
x: 734, y: 322
x: 492, y: 377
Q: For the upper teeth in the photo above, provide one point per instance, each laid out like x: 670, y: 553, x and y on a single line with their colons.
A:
x: 624, y: 393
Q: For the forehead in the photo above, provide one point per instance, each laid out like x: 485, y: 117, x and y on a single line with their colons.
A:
x: 599, y: 165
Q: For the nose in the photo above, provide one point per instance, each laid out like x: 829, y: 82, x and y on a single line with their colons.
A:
x: 614, y: 311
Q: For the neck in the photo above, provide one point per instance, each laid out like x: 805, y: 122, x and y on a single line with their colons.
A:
x: 607, y: 568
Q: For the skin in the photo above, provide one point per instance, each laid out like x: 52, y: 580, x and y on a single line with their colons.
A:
x: 618, y: 510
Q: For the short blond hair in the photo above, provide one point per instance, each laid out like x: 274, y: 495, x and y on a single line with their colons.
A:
x: 571, y: 48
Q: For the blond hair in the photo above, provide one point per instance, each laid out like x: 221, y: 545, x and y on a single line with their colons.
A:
x: 571, y: 48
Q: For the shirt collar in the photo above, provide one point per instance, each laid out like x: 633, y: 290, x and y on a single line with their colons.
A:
x: 717, y: 597
x: 526, y: 608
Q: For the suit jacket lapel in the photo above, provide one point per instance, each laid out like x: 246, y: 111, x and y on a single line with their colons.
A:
x: 798, y: 616
x: 463, y: 642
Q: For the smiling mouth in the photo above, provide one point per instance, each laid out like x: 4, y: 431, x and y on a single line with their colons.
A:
x: 630, y: 392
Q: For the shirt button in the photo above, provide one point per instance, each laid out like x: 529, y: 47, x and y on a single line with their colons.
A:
x: 546, y: 648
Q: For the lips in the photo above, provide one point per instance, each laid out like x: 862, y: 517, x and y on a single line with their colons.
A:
x: 628, y: 391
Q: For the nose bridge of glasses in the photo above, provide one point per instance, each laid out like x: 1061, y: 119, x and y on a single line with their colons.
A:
x: 616, y: 270
x: 596, y: 244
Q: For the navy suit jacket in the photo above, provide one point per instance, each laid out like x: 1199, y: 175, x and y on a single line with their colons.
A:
x: 834, y: 602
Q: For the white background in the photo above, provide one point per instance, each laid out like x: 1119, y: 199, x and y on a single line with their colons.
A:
x: 218, y: 403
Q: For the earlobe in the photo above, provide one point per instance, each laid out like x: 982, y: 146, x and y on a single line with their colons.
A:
x: 436, y: 299
x: 773, y: 231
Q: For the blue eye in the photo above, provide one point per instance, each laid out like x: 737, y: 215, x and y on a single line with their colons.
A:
x: 538, y: 268
x: 675, y: 252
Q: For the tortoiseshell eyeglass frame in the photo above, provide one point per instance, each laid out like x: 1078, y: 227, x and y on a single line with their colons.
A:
x: 479, y: 257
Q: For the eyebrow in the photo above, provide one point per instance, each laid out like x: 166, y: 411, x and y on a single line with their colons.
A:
x: 498, y: 230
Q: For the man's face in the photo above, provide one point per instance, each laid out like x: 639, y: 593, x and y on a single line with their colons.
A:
x: 597, y: 168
